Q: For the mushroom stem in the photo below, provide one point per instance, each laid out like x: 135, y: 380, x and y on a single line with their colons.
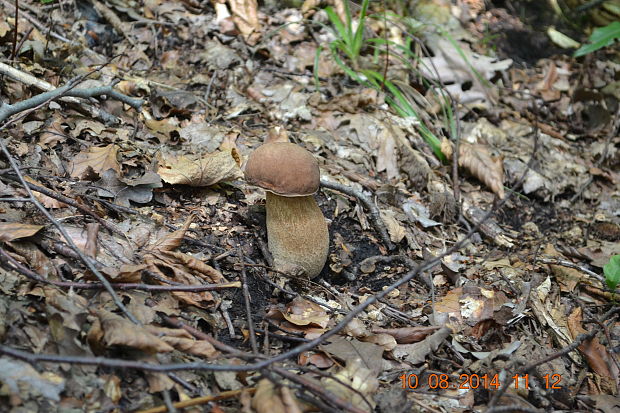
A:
x: 297, y: 234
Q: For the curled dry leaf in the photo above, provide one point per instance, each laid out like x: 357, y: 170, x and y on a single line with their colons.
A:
x: 110, y: 329
x: 200, y: 170
x: 478, y: 161
x: 303, y: 312
x: 407, y: 335
x: 181, y: 340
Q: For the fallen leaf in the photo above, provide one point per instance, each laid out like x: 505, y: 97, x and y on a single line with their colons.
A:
x: 23, y: 380
x: 477, y: 160
x: 10, y: 231
x: 110, y: 329
x: 199, y: 170
x: 95, y: 160
x: 270, y: 398
x: 355, y: 384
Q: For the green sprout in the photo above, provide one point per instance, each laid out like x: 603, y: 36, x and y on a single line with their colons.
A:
x: 612, y: 272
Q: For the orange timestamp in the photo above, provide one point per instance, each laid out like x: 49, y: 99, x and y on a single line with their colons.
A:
x: 438, y: 381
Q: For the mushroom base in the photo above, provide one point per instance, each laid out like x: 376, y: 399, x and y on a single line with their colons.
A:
x: 297, y: 235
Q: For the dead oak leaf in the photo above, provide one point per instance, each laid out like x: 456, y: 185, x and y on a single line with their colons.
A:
x: 95, y: 160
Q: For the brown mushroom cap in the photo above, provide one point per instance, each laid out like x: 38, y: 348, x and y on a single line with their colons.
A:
x: 283, y: 168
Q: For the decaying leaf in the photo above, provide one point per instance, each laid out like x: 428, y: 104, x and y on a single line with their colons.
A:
x: 360, y: 382
x: 199, y: 170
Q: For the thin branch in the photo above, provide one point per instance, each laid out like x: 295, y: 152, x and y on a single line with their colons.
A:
x: 67, y: 89
x: 373, y: 211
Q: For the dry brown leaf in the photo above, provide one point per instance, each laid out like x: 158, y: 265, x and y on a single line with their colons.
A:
x: 10, y: 231
x: 567, y: 278
x: 172, y: 240
x: 597, y: 356
x: 183, y: 341
x: 384, y: 340
x: 396, y: 231
x: 302, y: 312
x: 199, y: 171
x: 115, y: 330
x: 95, y: 160
x: 361, y: 384
x: 407, y: 335
x: 172, y: 271
x: 478, y: 161
x: 271, y: 399
x: 245, y: 16
x: 319, y: 360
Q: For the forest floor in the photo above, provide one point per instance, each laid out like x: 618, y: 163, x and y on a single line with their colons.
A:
x: 135, y: 273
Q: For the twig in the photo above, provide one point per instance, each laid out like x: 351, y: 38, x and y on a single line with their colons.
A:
x: 373, y: 211
x: 248, y: 306
x: 7, y: 110
x: 54, y: 93
x: 16, y: 25
x: 201, y: 400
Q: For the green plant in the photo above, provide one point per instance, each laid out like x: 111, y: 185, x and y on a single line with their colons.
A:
x: 612, y: 272
x: 349, y: 40
x: 600, y: 37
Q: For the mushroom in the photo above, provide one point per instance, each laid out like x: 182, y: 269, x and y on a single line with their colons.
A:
x: 297, y: 232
